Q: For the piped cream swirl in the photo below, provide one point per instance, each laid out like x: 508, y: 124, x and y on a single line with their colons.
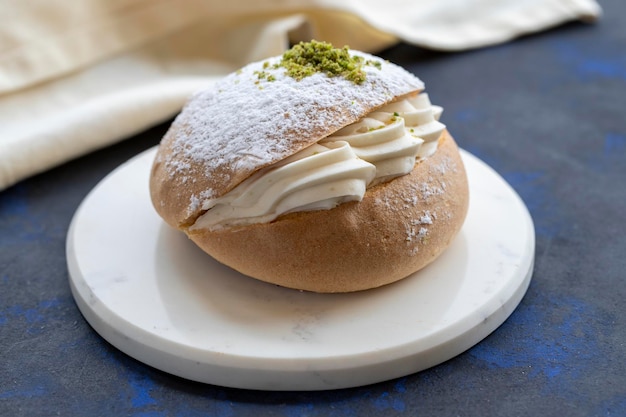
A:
x: 381, y: 139
x: 379, y: 147
x: 421, y: 119
x: 319, y: 177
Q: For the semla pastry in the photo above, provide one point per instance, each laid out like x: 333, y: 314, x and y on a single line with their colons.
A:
x: 324, y: 169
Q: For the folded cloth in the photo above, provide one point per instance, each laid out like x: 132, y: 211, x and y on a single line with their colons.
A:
x: 77, y: 75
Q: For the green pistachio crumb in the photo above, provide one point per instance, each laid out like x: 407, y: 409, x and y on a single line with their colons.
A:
x: 264, y: 75
x: 308, y: 58
x: 375, y: 64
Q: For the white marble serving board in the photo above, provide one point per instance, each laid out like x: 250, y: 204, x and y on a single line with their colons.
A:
x: 153, y: 294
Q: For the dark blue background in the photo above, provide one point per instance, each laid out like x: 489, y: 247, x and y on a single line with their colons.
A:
x: 547, y: 111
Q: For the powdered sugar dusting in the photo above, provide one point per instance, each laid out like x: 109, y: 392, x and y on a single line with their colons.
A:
x: 414, y: 194
x: 247, y: 121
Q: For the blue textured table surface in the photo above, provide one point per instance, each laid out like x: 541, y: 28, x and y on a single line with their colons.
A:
x: 548, y: 112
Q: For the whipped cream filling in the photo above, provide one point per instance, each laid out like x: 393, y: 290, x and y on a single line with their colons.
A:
x: 381, y: 139
x: 381, y: 146
x: 421, y: 120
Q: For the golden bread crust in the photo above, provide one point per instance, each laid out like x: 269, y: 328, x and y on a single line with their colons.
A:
x: 398, y: 228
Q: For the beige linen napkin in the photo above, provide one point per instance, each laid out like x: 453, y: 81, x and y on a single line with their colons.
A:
x: 77, y: 75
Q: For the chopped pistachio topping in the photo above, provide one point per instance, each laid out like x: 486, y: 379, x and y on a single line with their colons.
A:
x: 308, y: 58
x: 264, y: 75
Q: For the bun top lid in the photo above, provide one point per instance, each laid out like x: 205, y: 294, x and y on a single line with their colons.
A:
x: 263, y: 113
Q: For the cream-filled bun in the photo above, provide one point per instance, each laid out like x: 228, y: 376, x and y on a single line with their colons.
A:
x: 323, y: 169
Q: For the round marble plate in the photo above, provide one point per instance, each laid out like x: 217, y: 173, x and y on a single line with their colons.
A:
x: 153, y: 294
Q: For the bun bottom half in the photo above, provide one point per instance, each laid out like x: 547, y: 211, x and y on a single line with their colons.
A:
x: 398, y: 228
